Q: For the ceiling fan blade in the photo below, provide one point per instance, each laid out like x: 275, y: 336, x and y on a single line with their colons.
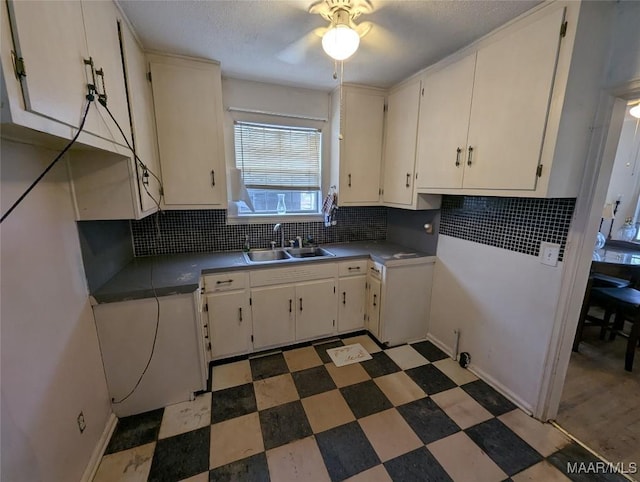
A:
x: 363, y: 28
x: 296, y: 52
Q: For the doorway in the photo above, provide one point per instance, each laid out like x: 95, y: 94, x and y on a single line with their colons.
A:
x: 600, y: 400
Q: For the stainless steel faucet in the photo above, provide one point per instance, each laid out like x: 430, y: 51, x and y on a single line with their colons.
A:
x: 275, y: 229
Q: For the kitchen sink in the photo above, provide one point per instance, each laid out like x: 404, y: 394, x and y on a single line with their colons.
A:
x: 265, y: 255
x: 308, y: 252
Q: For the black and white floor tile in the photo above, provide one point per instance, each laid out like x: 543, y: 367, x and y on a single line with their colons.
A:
x: 408, y: 414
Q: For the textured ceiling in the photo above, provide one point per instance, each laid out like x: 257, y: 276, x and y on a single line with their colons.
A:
x: 273, y: 40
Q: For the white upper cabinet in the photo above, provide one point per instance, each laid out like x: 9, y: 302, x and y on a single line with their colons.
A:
x: 400, y: 148
x: 511, y: 95
x: 478, y: 128
x: 142, y: 121
x: 444, y: 123
x: 356, y: 144
x: 53, y: 40
x: 187, y: 97
x: 512, y: 116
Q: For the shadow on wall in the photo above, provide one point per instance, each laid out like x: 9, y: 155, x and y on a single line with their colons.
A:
x: 407, y: 229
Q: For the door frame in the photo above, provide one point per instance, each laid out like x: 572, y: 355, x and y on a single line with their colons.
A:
x: 606, y: 130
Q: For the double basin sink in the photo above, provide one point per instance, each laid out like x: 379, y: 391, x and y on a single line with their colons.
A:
x: 270, y: 255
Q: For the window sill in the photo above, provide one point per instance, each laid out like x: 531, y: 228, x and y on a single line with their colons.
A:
x: 274, y: 218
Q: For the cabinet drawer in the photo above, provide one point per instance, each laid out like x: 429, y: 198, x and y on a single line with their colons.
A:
x: 293, y: 274
x: 375, y: 269
x: 352, y: 268
x: 225, y: 282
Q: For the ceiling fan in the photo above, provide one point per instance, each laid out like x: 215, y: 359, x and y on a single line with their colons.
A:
x: 341, y: 38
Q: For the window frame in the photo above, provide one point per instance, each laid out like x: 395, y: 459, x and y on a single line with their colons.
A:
x: 280, y: 120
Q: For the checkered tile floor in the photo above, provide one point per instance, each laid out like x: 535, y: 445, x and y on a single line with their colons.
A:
x: 409, y: 414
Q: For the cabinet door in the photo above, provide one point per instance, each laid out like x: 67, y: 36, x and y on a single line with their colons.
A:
x: 187, y: 97
x: 444, y: 122
x: 50, y: 37
x: 142, y: 121
x: 361, y: 157
x: 273, y: 315
x: 103, y: 43
x: 229, y: 323
x: 400, y: 149
x: 511, y: 97
x: 373, y: 306
x: 316, y: 309
x: 351, y: 303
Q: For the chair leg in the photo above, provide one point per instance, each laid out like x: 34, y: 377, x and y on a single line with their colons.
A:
x: 631, y: 344
x: 605, y: 321
x: 586, y: 303
x: 618, y: 324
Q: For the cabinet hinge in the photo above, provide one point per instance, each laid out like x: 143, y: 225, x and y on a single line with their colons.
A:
x: 563, y: 29
x: 539, y: 170
x: 149, y: 76
x: 18, y: 66
x: 206, y: 307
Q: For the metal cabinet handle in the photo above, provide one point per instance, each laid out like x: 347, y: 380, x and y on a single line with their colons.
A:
x: 374, y: 300
x: 408, y: 177
x: 240, y: 314
x: 375, y: 270
x: 344, y: 297
x: 290, y: 305
x: 213, y: 178
x: 349, y: 180
x: 357, y: 268
x: 228, y: 281
x: 300, y: 304
x: 470, y: 154
x: 458, y: 152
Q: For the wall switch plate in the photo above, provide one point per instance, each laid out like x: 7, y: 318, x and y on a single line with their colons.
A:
x: 549, y: 253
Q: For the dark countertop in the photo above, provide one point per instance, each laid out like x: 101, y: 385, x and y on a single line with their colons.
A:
x: 180, y: 273
x: 618, y: 253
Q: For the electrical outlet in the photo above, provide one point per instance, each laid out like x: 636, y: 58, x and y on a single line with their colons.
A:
x: 81, y: 423
x: 549, y: 253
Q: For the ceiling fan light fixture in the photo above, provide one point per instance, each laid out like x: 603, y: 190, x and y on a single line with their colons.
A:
x: 635, y: 111
x: 340, y: 42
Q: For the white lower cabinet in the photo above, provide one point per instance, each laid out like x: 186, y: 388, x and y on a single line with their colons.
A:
x: 229, y: 316
x: 226, y: 314
x: 351, y: 295
x: 131, y: 331
x: 399, y: 300
x: 273, y: 315
x: 317, y: 311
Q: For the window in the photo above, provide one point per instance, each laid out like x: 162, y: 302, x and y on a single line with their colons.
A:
x: 280, y: 167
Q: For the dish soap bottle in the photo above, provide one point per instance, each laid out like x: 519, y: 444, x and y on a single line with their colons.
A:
x: 247, y: 247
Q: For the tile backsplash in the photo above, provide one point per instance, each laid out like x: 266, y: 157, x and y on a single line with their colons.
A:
x: 516, y: 224
x: 207, y: 231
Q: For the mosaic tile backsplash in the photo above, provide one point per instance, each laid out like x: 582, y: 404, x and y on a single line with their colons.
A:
x: 516, y: 224
x: 200, y: 231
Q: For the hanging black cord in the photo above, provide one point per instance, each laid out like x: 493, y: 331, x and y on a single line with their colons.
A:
x: 53, y: 163
x: 103, y: 103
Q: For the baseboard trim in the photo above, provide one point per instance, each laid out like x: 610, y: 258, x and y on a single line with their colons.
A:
x: 98, y: 451
x: 524, y: 406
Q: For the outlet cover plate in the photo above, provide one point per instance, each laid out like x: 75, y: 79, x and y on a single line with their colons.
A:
x: 549, y: 253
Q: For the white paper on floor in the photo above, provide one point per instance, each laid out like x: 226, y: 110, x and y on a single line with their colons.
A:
x: 346, y: 355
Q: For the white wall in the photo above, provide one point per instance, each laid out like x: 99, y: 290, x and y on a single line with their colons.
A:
x: 624, y: 184
x: 50, y: 361
x: 503, y: 303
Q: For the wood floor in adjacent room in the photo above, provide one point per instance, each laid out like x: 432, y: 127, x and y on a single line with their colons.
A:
x: 601, y: 401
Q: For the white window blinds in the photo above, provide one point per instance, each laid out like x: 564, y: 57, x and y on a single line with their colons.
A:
x: 276, y: 157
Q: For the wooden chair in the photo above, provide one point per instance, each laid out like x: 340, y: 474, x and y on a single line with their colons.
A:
x: 625, y: 303
x: 596, y: 280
